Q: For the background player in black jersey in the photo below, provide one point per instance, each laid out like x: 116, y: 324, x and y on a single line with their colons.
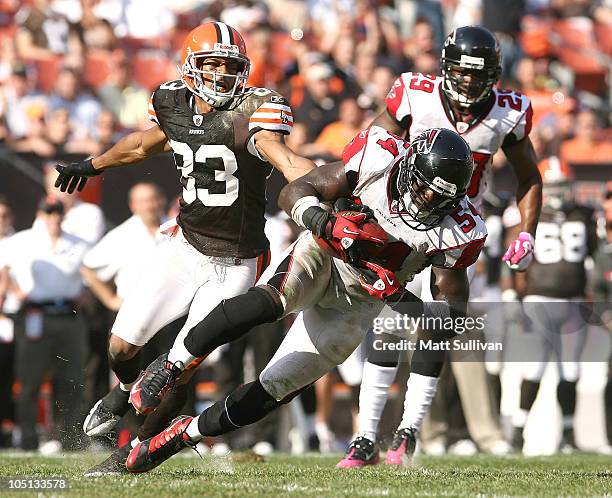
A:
x: 224, y: 137
x: 553, y: 288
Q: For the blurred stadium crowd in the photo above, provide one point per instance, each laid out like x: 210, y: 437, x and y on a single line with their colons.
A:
x: 75, y: 75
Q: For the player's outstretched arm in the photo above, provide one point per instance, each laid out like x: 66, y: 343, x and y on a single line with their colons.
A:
x: 271, y: 145
x: 131, y: 149
x: 529, y: 191
x: 529, y: 199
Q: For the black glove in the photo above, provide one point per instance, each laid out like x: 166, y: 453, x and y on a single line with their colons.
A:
x: 346, y: 204
x: 75, y: 175
x: 319, y: 221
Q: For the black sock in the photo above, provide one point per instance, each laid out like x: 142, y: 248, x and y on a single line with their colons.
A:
x: 529, y: 392
x: 231, y: 319
x: 495, y: 383
x: 608, y: 406
x: 566, y: 394
x: 245, y: 405
x: 127, y: 371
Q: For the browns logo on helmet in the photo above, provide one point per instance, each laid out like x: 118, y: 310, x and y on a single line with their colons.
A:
x: 205, y: 44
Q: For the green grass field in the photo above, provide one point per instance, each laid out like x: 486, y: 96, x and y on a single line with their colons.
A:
x: 279, y: 476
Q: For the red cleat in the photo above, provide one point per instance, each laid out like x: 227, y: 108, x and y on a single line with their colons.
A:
x: 154, y: 451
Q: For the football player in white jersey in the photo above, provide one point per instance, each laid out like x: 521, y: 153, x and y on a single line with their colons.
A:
x: 463, y: 99
x: 416, y: 192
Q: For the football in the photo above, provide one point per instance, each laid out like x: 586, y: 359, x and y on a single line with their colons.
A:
x: 364, y: 249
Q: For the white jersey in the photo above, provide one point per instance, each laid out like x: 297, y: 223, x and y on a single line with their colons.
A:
x: 419, y: 97
x: 372, y: 163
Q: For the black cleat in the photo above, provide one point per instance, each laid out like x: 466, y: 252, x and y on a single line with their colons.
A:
x: 517, y: 440
x: 113, y: 465
x: 361, y: 452
x: 106, y: 412
x: 153, y: 384
x: 402, y: 448
x: 568, y: 445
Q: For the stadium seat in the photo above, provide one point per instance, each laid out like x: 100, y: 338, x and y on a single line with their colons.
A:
x: 281, y: 49
x: 47, y: 70
x: 577, y: 48
x: 534, y: 37
x: 150, y: 71
x: 603, y: 34
x: 96, y: 70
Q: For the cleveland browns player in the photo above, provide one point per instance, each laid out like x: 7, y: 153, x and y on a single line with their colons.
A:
x: 225, y: 137
x: 553, y: 288
x: 416, y: 192
x: 464, y: 99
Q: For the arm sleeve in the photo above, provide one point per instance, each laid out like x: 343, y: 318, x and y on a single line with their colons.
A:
x: 522, y: 129
x: 397, y: 101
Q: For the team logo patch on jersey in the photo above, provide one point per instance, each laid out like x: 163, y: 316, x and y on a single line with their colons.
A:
x: 197, y: 119
x: 462, y: 127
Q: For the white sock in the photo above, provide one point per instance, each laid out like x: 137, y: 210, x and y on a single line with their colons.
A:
x: 134, y: 442
x: 568, y: 421
x: 192, y: 430
x: 311, y: 424
x: 519, y: 418
x: 125, y: 387
x: 372, y: 397
x: 419, y: 394
x: 179, y: 353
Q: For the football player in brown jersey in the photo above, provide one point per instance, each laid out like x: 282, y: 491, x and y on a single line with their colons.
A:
x: 225, y: 138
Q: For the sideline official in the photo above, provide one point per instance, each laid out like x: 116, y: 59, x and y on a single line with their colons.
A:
x: 43, y: 264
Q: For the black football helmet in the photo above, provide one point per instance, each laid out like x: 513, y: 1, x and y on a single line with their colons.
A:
x: 433, y: 177
x: 471, y: 64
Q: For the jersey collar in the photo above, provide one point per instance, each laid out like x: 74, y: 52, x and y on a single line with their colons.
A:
x: 476, y: 115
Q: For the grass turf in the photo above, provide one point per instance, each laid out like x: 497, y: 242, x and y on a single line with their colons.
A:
x: 281, y: 475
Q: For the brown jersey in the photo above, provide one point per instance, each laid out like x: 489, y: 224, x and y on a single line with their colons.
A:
x: 564, y: 239
x: 223, y: 176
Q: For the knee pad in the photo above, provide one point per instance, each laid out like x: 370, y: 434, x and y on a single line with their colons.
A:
x: 427, y: 363
x: 256, y: 304
x: 382, y: 350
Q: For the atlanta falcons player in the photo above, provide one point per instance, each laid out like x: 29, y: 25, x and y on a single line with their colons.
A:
x: 417, y: 193
x: 463, y: 99
x: 224, y: 136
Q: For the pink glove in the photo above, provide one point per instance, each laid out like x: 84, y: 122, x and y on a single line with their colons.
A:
x: 520, y: 253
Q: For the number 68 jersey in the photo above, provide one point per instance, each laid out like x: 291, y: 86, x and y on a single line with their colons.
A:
x: 505, y: 122
x: 223, y: 176
x: 564, y: 239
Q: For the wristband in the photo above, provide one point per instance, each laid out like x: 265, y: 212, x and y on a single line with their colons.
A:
x: 301, y: 205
